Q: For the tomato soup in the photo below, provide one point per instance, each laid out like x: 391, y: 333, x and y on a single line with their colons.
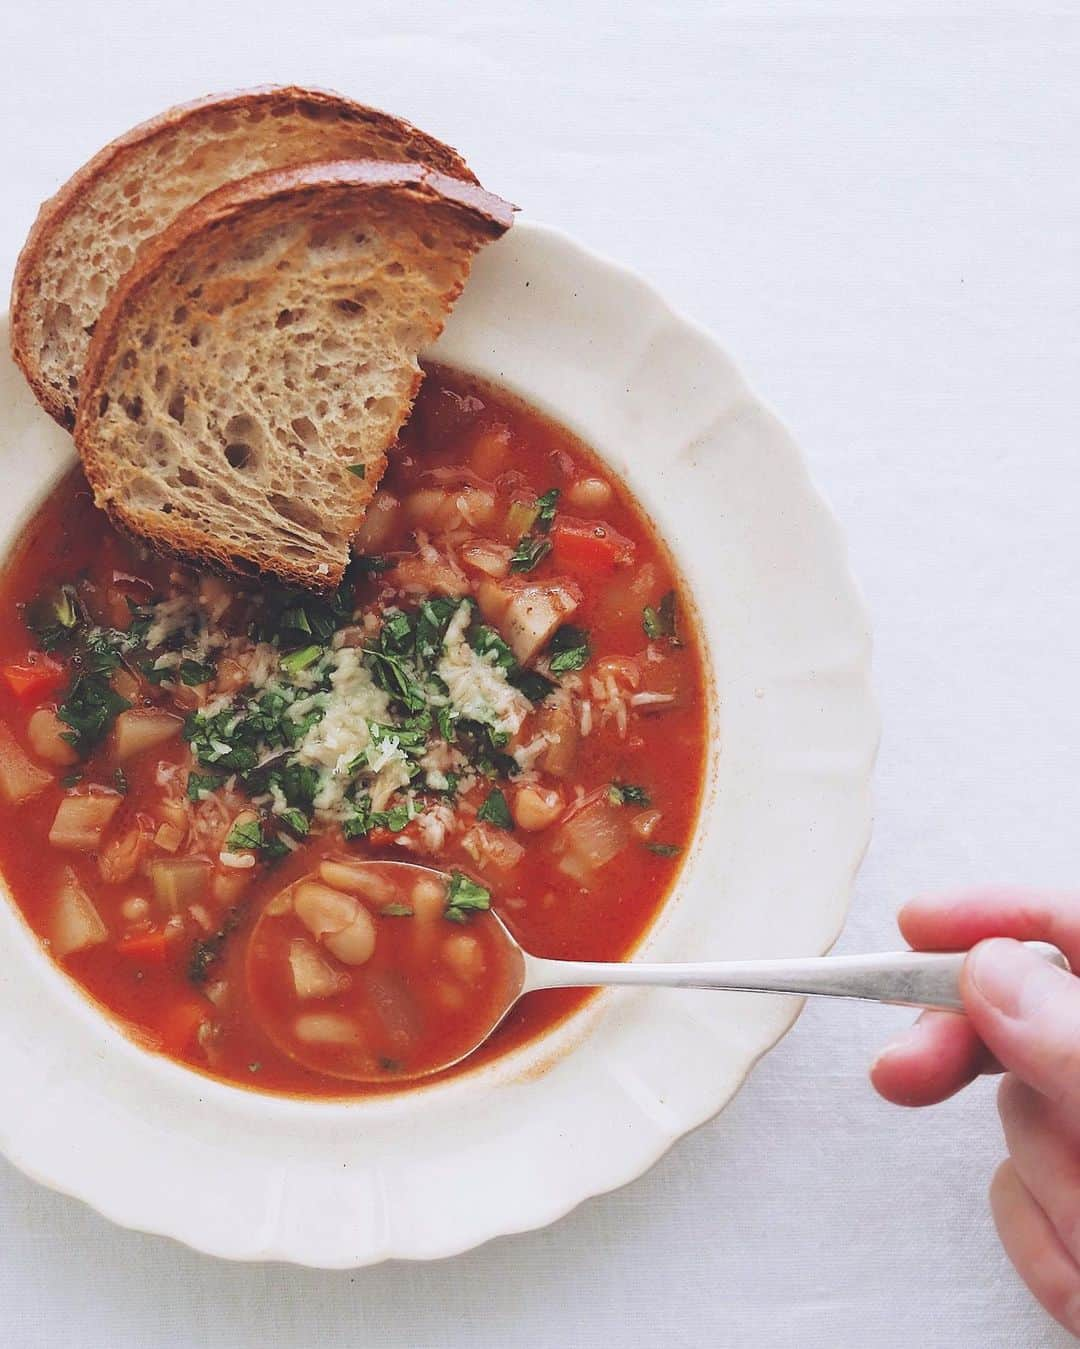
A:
x: 508, y: 688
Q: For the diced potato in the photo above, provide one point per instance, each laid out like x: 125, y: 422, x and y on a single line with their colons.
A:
x: 527, y: 614
x: 558, y: 722
x: 422, y: 576
x: 487, y: 557
x: 80, y: 821
x: 378, y: 525
x: 179, y: 881
x: 322, y: 909
x: 312, y: 976
x: 357, y: 880
x: 126, y: 684
x: 325, y: 1028
x: 143, y: 728
x: 45, y: 731
x: 492, y: 846
x: 228, y: 886
x: 74, y: 924
x: 536, y: 808
x: 20, y: 779
x: 168, y: 838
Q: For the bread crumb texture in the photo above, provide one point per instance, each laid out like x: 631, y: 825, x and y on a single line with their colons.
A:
x: 250, y: 385
x: 89, y: 236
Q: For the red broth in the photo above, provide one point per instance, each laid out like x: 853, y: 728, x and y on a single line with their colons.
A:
x: 510, y: 687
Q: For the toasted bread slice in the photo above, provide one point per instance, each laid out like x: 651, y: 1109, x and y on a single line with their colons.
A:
x: 249, y: 373
x: 88, y: 235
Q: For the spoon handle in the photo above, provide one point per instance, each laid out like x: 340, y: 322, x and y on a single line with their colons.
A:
x: 906, y: 978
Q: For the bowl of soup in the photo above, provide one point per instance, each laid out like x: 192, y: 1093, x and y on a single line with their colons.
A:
x: 598, y: 659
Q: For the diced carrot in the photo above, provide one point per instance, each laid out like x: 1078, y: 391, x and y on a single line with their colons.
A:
x: 589, y: 546
x: 34, y: 677
x: 151, y: 947
x: 181, y: 1024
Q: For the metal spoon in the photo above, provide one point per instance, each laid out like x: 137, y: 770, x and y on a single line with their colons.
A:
x: 904, y: 978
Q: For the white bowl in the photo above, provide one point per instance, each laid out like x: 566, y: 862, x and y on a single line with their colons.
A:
x: 522, y: 1141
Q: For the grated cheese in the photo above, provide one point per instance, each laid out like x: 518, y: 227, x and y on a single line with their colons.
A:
x: 478, y: 687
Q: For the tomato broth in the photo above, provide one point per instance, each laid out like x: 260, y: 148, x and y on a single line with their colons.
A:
x: 509, y: 688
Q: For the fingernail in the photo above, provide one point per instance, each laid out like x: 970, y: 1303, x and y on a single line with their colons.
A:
x: 900, y: 1044
x: 1011, y: 978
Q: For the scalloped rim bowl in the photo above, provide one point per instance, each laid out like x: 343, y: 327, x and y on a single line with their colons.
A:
x: 784, y: 825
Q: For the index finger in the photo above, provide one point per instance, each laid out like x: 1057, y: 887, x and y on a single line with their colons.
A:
x: 958, y: 921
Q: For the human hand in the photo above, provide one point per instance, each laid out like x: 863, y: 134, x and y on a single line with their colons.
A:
x: 1023, y: 1017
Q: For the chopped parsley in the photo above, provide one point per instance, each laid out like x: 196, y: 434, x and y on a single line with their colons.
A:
x: 89, y: 708
x: 368, y: 563
x: 663, y: 620
x: 54, y: 615
x: 486, y: 641
x: 464, y: 897
x: 532, y: 684
x: 495, y: 810
x: 358, y: 470
x: 628, y: 794
x: 569, y: 649
x: 396, y: 911
x: 198, y: 783
x: 193, y: 673
x: 664, y: 849
x: 245, y: 837
x: 207, y: 949
x: 257, y: 836
x: 529, y: 553
x: 545, y: 515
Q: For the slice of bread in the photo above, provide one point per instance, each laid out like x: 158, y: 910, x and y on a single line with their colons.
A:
x: 249, y: 373
x: 88, y: 235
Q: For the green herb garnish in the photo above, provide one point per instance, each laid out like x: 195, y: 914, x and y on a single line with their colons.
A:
x: 198, y: 783
x: 90, y: 708
x: 193, y: 673
x: 495, y: 810
x: 463, y: 897
x: 396, y: 911
x: 664, y: 849
x: 245, y: 837
x: 358, y: 470
x: 627, y: 794
x: 663, y: 620
x: 546, y: 513
x: 529, y: 553
x: 569, y: 649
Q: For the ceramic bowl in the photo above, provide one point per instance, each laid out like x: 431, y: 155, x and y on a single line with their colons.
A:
x: 520, y: 1142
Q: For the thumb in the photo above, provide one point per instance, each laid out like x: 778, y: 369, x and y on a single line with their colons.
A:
x: 1027, y: 1012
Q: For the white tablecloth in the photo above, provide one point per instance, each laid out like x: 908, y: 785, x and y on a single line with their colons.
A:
x: 876, y: 207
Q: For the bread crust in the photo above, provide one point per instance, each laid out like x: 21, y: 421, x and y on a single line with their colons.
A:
x: 417, y: 146
x: 344, y: 185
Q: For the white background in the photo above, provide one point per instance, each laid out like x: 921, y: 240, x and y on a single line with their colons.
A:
x: 876, y: 208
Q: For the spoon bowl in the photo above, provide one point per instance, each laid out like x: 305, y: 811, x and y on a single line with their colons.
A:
x: 387, y: 972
